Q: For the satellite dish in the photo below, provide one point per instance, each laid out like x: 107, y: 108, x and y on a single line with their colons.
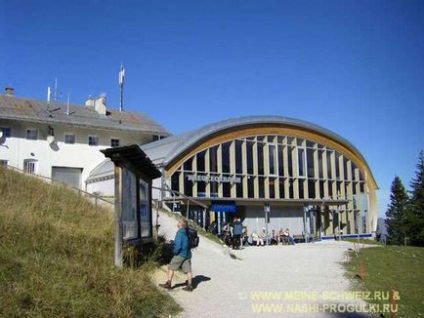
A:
x: 50, y: 139
x: 1, y: 133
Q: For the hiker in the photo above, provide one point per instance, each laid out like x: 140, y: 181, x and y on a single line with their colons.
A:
x: 181, y: 258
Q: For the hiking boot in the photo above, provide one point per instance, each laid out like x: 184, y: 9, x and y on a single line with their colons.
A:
x: 167, y: 285
x: 188, y: 288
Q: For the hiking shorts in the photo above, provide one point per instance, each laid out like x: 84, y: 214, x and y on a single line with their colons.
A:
x: 180, y: 262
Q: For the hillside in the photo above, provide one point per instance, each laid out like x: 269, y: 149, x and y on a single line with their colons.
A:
x: 56, y: 257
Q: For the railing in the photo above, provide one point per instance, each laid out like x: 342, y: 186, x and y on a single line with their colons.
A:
x: 95, y: 198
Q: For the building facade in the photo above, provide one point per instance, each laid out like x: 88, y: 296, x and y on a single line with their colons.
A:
x: 314, y: 182
x: 63, y: 141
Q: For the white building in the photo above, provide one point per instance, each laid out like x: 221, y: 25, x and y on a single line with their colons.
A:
x: 62, y: 141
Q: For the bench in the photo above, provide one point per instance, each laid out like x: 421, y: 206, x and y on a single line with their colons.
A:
x: 299, y: 238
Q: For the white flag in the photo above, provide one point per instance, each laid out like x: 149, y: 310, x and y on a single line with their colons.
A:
x: 121, y: 76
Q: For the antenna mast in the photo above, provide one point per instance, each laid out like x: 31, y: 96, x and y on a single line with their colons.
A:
x: 67, y: 106
x: 121, y: 88
x: 55, y: 88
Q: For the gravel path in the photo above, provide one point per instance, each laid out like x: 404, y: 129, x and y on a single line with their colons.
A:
x: 304, y: 280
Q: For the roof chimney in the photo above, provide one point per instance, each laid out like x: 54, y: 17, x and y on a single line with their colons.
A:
x: 89, y: 102
x: 8, y: 91
x: 100, y: 104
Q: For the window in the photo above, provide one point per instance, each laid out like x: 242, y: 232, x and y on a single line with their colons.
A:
x: 291, y: 188
x: 226, y: 188
x: 311, y: 189
x: 301, y: 157
x: 213, y: 159
x: 271, y: 183
x: 69, y: 139
x: 329, y: 161
x: 281, y: 187
x: 214, y: 185
x: 261, y: 187
x: 32, y: 134
x: 201, y: 161
x: 114, y: 142
x: 301, y: 185
x: 250, y: 187
x: 321, y: 164
x: 272, y: 159
x: 93, y: 141
x: 175, y: 181
x: 249, y: 156
x: 239, y: 160
x: 290, y: 160
x: 261, y: 169
x: 226, y: 157
x: 280, y: 161
x: 310, y: 162
x: 337, y: 162
x: 188, y: 164
x: 239, y: 187
x: 30, y: 165
x: 188, y: 185
x: 3, y: 163
x: 201, y: 188
x: 5, y: 131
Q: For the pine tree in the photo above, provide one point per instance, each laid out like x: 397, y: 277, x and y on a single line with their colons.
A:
x: 415, y: 218
x: 396, y: 213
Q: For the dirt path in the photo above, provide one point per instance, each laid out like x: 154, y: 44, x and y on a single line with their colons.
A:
x: 305, y: 280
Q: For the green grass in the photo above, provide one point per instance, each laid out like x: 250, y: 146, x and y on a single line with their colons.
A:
x: 387, y: 268
x: 363, y: 241
x: 56, y: 258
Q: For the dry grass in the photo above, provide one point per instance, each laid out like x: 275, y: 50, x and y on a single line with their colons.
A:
x: 56, y: 257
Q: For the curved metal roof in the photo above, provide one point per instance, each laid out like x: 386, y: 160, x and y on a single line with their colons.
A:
x: 103, y: 170
x: 164, y: 151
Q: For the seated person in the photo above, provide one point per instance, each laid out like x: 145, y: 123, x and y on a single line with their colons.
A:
x: 274, y: 238
x: 257, y: 240
x: 290, y: 238
x: 281, y: 237
x: 226, y: 234
x: 266, y: 237
x: 244, y: 236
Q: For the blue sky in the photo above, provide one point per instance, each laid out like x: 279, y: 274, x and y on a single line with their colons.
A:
x: 354, y: 67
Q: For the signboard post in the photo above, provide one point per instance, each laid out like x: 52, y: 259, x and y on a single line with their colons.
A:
x: 134, y: 173
x: 267, y: 210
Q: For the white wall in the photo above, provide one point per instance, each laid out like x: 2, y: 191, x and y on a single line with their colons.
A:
x: 104, y: 187
x: 17, y: 148
x: 280, y: 218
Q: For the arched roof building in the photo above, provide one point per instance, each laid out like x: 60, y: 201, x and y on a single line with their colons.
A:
x: 313, y: 180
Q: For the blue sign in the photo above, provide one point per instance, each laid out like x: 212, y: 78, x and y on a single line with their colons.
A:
x: 224, y: 206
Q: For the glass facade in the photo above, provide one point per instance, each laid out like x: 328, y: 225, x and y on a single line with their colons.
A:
x: 269, y: 167
x: 293, y: 173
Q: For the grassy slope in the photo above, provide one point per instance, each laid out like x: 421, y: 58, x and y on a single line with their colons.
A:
x: 397, y: 268
x: 56, y: 258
